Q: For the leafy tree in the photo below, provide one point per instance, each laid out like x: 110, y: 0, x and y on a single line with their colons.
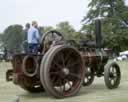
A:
x: 12, y: 37
x: 68, y: 31
x: 44, y: 29
x: 0, y: 40
x: 0, y: 37
x: 114, y: 15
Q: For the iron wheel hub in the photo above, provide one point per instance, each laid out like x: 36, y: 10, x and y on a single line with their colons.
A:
x: 65, y: 71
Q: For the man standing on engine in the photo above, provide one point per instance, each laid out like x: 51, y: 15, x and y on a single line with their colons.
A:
x: 33, y: 38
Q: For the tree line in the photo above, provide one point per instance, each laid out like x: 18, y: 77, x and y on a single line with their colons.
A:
x: 114, y: 18
x: 13, y: 36
x: 114, y: 14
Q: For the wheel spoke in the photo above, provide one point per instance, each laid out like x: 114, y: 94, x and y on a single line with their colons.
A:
x: 55, y: 73
x: 68, y: 82
x: 73, y: 64
x: 115, y: 74
x: 58, y: 65
x: 68, y: 62
x: 61, y: 88
x: 75, y: 76
x: 64, y: 88
x: 68, y: 56
x: 53, y: 79
x: 113, y: 69
x: 57, y: 82
x: 62, y: 59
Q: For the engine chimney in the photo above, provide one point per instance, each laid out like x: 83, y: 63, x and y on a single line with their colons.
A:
x: 98, y: 33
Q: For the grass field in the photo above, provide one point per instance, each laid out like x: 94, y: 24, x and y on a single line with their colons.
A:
x: 97, y: 92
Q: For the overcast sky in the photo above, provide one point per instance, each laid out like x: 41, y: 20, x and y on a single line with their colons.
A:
x: 45, y: 12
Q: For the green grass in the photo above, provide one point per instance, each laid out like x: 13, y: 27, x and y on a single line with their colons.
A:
x: 97, y: 92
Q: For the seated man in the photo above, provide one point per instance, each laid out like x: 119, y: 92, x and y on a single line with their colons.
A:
x: 33, y: 38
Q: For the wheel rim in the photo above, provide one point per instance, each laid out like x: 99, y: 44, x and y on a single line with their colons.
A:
x: 65, y: 72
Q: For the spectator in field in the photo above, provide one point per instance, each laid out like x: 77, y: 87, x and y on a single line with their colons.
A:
x: 25, y: 43
x: 33, y: 38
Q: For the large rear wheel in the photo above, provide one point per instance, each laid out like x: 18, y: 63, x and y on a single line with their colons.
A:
x: 62, y: 73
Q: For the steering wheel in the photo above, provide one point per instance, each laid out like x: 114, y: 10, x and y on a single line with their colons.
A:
x: 50, y: 38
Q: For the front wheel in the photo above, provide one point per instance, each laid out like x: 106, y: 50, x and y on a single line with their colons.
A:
x: 112, y: 75
x: 89, y: 76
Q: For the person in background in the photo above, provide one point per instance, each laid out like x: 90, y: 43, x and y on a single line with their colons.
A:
x: 25, y: 43
x: 5, y: 53
x: 33, y: 38
x: 27, y: 26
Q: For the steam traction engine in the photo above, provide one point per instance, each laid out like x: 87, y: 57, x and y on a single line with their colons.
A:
x: 60, y: 68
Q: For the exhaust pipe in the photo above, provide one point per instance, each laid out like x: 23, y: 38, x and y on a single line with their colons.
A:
x: 98, y: 33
